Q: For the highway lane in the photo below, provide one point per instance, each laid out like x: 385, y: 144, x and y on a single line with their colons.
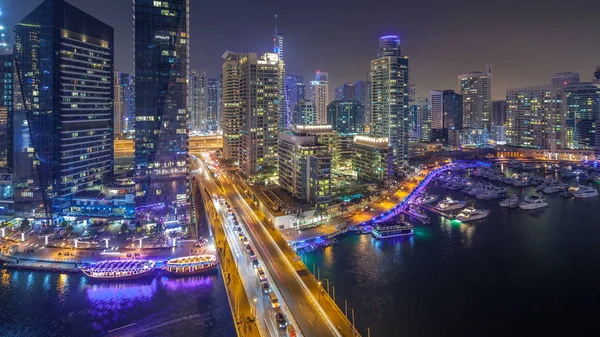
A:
x: 308, y: 314
x: 265, y: 313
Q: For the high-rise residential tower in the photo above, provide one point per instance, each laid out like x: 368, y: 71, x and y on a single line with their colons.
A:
x: 581, y: 110
x: 346, y: 116
x: 476, y: 88
x: 118, y: 105
x: 320, y: 95
x: 362, y: 92
x: 446, y: 114
x: 127, y: 92
x: 295, y: 91
x: 213, y: 115
x: 161, y: 116
x: 285, y: 118
x: 498, y: 112
x: 420, y: 110
x: 198, y: 101
x: 389, y: 97
x: 259, y: 89
x: 533, y: 117
x: 231, y: 119
x: 304, y: 113
x: 65, y: 59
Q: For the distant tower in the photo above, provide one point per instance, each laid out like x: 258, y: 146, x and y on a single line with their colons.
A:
x: 285, y: 118
x: 320, y: 96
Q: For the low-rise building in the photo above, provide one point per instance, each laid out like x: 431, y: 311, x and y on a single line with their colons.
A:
x: 305, y: 161
x: 373, y: 159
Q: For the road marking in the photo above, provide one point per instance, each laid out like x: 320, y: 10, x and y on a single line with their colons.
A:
x: 311, y: 323
x: 298, y: 303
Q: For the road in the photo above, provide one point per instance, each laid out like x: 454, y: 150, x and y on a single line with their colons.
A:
x: 300, y: 299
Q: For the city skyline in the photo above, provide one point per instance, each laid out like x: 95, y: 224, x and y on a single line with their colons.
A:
x: 431, y: 38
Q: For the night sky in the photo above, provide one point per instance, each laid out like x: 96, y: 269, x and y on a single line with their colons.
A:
x: 526, y: 41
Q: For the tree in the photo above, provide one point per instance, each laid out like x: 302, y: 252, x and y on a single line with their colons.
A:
x: 321, y: 213
x: 343, y: 208
x: 24, y: 225
x: 298, y: 216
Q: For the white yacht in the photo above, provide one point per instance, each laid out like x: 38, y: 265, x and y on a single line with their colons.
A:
x: 552, y: 189
x: 533, y: 202
x: 450, y: 205
x: 429, y: 198
x: 511, y: 202
x: 489, y: 194
x: 472, y: 214
x: 585, y: 192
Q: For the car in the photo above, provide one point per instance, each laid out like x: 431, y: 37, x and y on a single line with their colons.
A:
x: 245, y: 240
x: 261, y: 274
x: 274, y: 300
x: 266, y: 288
x: 255, y: 264
x: 241, y: 236
x: 251, y: 254
x: 238, y: 229
x: 281, y: 322
x: 248, y: 248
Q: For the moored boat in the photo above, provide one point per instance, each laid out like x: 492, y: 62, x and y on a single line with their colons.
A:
x: 191, y: 265
x: 472, y: 214
x: 533, y: 202
x: 386, y: 230
x: 586, y: 192
x: 511, y: 202
x: 119, y: 269
x: 449, y: 205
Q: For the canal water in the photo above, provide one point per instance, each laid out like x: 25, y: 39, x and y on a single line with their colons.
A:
x: 48, y: 304
x: 513, y: 273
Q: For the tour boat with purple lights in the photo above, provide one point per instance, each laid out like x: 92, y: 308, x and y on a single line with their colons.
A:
x: 191, y: 265
x: 119, y: 269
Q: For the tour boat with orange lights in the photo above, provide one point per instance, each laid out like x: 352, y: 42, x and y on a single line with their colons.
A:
x: 119, y: 269
x: 191, y: 265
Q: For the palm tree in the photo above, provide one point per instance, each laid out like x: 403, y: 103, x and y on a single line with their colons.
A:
x: 69, y: 230
x: 298, y: 216
x: 343, y: 208
x: 24, y: 226
x: 321, y: 213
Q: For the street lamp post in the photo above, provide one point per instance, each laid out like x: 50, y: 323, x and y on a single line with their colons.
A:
x: 22, y: 237
x: 254, y: 307
x: 3, y: 233
x: 75, y: 243
x: 46, y: 240
x: 106, y: 242
x: 141, y: 243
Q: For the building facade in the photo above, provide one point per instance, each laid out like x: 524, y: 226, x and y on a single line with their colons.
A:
x: 304, y: 113
x: 198, y: 101
x: 560, y: 80
x: 295, y: 91
x: 533, y: 117
x: 389, y: 97
x: 581, y: 108
x: 476, y: 88
x: 127, y: 92
x: 499, y: 112
x: 305, y: 164
x: 213, y: 107
x: 231, y: 118
x: 118, y: 105
x: 320, y: 96
x: 7, y: 78
x: 161, y: 116
x: 65, y: 61
x: 259, y: 96
x: 420, y: 120
x: 446, y: 114
x: 373, y: 159
x: 346, y: 116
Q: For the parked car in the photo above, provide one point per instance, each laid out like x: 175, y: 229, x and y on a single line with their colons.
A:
x: 266, y: 288
x: 261, y: 274
x: 255, y: 264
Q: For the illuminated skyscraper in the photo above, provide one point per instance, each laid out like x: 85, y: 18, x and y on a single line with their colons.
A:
x: 446, y: 114
x: 65, y: 59
x: 198, y: 101
x: 533, y: 117
x: 320, y: 96
x: 389, y: 97
x: 213, y: 116
x: 118, y: 105
x: 476, y: 88
x: 295, y: 91
x: 161, y: 116
x: 420, y: 112
x: 581, y: 109
x: 346, y: 116
x: 259, y: 90
x: 231, y: 119
x: 285, y: 118
x: 128, y: 98
x: 304, y: 113
x: 498, y: 112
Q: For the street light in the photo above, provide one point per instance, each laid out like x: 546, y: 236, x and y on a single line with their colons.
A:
x: 106, y: 242
x: 254, y: 308
x: 46, y: 239
x: 22, y: 236
x: 141, y: 242
x: 3, y: 233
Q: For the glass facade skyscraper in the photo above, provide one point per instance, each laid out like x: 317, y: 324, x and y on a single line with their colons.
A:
x: 161, y: 116
x: 213, y: 116
x: 65, y: 63
x: 346, y: 116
